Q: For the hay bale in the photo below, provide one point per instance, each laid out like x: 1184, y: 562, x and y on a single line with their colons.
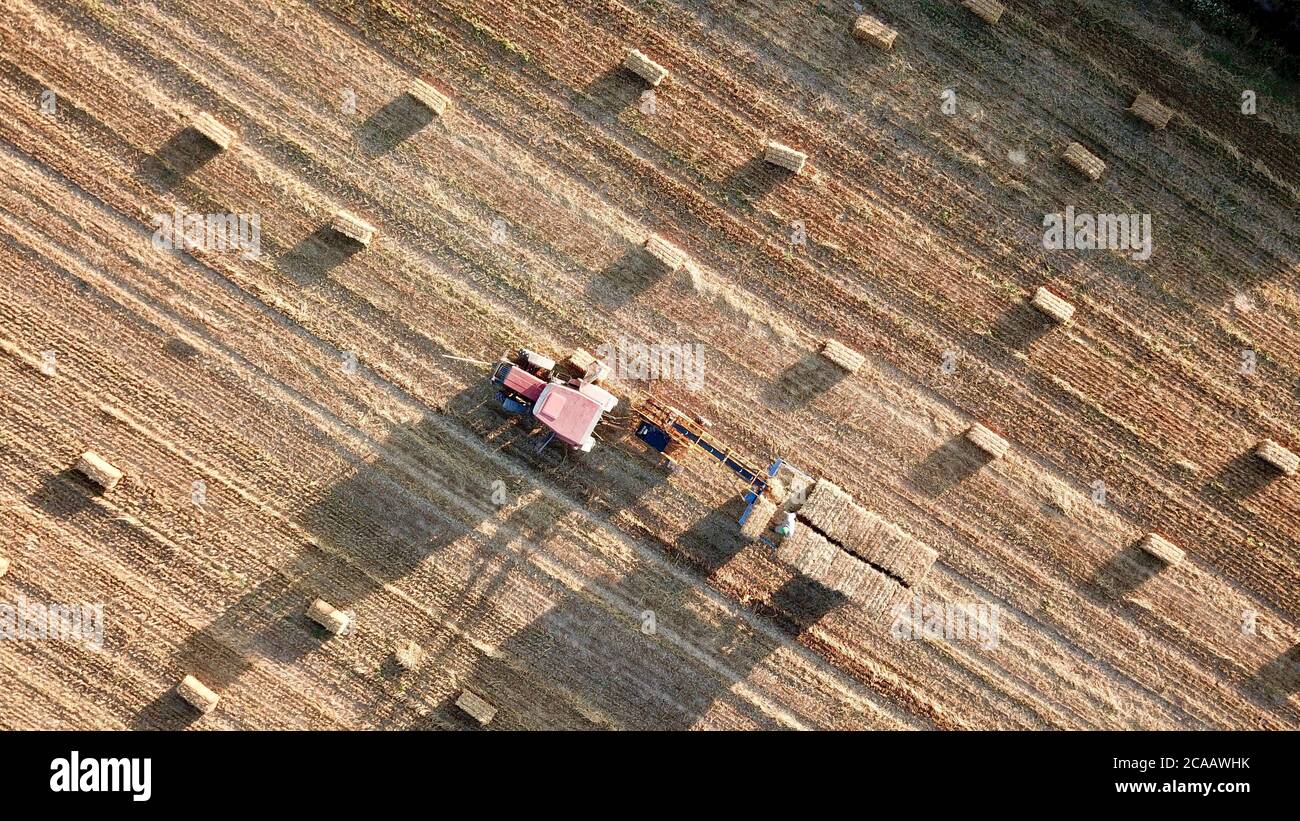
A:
x: 4, y: 566
x: 871, y: 30
x: 866, y: 535
x: 325, y: 614
x: 1163, y: 549
x: 1278, y: 456
x: 408, y: 655
x: 353, y: 227
x: 760, y: 515
x: 645, y: 68
x: 429, y: 97
x: 669, y: 256
x: 1151, y: 111
x: 990, y: 11
x: 94, y: 468
x: 842, y: 356
x: 1052, y: 305
x: 476, y: 707
x: 213, y: 131
x: 987, y: 441
x: 1084, y: 161
x: 785, y: 156
x: 197, y: 694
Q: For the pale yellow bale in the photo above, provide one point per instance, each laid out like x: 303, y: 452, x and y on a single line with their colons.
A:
x: 988, y: 10
x: 665, y: 253
x: 197, y: 694
x: 890, y: 548
x: 842, y: 356
x: 1163, y: 549
x: 213, y: 131
x: 987, y: 441
x: 760, y: 515
x: 408, y: 655
x: 429, y: 97
x: 325, y: 614
x: 1151, y: 111
x: 1084, y: 161
x: 873, y: 31
x: 97, y: 470
x: 1052, y: 305
x: 645, y: 68
x: 785, y: 156
x: 353, y: 227
x: 1277, y: 456
x: 476, y: 707
x: 4, y: 566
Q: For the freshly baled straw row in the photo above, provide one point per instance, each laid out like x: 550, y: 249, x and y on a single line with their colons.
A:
x: 759, y: 517
x: 836, y: 569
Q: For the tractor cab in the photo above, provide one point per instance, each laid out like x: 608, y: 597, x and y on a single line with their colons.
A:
x: 565, y: 398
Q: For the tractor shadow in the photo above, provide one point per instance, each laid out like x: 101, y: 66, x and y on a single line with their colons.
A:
x: 316, y: 255
x: 951, y: 464
x: 1021, y: 326
x: 802, y: 382
x: 393, y: 124
x: 1124, y: 572
x: 184, y: 153
x: 388, y: 515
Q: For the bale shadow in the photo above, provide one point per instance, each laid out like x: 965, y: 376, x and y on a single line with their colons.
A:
x: 185, y: 152
x: 1278, y: 679
x: 614, y: 90
x: 180, y: 349
x: 65, y: 493
x: 801, y: 602
x: 951, y: 464
x: 1021, y: 326
x: 393, y: 124
x: 627, y: 278
x: 756, y: 178
x: 801, y: 383
x: 1244, y: 476
x: 166, y: 712
x: 1125, y: 572
x: 316, y: 255
x: 714, y: 539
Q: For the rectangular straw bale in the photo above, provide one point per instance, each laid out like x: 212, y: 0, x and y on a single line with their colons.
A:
x: 429, y: 97
x: 1278, y: 456
x: 665, y: 253
x: 842, y: 356
x: 988, y: 10
x: 327, y: 616
x: 353, y: 227
x: 1052, y: 305
x: 1151, y: 111
x: 476, y: 707
x: 95, y: 468
x: 871, y: 30
x: 1163, y: 549
x: 1084, y: 161
x: 785, y: 156
x: 213, y: 131
x: 197, y: 694
x: 645, y: 68
x: 987, y: 441
x: 886, y: 545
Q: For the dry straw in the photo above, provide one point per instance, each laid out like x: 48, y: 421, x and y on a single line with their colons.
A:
x: 785, y: 156
x: 645, y: 68
x: 1052, y: 305
x: 1084, y: 161
x: 987, y: 441
x: 213, y: 131
x: 871, y: 30
x: 1278, y: 456
x: 97, y: 470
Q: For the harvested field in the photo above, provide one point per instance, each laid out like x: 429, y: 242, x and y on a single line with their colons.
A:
x: 308, y: 419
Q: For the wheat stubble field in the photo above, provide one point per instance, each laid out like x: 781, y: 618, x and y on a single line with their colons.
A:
x: 372, y: 487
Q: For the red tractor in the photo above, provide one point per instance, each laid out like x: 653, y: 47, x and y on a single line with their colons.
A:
x: 564, y: 398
